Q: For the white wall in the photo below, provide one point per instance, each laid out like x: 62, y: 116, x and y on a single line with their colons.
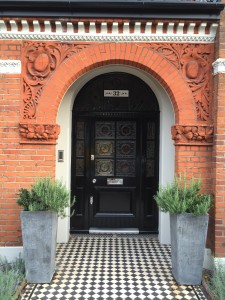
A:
x: 11, y: 253
x: 166, y: 157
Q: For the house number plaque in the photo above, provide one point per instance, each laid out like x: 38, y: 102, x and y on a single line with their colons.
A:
x: 116, y: 93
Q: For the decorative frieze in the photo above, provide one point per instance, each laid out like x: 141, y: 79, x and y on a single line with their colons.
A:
x: 194, y: 62
x: 219, y: 66
x: 10, y: 66
x: 102, y: 31
x: 40, y: 62
x: 39, y: 133
x: 192, y: 134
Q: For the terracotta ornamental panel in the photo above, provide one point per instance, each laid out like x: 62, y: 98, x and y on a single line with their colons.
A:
x: 40, y: 62
x: 42, y: 59
x: 195, y: 134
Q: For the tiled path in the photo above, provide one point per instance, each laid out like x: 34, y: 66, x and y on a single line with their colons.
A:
x: 113, y: 267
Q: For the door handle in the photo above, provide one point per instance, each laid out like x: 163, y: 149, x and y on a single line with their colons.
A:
x: 94, y: 180
x: 91, y: 200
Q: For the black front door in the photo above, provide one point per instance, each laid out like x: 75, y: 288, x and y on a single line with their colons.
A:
x: 115, y: 156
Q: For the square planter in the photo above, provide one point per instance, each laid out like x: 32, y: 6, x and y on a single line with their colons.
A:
x: 188, y: 236
x: 39, y: 231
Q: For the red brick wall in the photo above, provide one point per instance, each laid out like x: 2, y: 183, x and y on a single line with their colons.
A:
x: 219, y: 147
x: 20, y: 163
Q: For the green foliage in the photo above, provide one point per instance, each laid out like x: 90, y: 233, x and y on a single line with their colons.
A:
x: 45, y: 194
x: 217, y: 285
x: 11, y: 275
x: 182, y: 197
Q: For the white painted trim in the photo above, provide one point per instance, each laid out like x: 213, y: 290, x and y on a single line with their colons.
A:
x: 219, y: 261
x: 167, y: 157
x: 219, y: 66
x: 208, y: 260
x: 10, y: 66
x: 11, y: 253
x: 65, y: 31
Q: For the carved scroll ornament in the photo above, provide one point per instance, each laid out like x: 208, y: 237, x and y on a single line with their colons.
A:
x: 41, y: 61
x: 197, y: 134
x: 194, y: 62
x: 39, y: 133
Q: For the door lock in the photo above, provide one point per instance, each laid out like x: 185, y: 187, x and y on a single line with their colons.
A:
x: 91, y: 200
x: 94, y: 180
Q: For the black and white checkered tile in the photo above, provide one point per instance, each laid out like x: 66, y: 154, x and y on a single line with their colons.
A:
x: 112, y: 267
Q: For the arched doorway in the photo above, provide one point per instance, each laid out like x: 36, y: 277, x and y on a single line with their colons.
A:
x: 115, y: 154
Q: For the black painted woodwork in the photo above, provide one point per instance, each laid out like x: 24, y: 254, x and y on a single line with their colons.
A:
x: 123, y: 136
x: 185, y: 9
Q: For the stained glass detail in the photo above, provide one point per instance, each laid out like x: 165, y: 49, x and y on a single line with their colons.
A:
x: 104, y: 148
x: 150, y: 168
x: 104, y: 167
x: 126, y: 148
x: 126, y: 130
x: 125, y: 168
x: 80, y: 130
x: 80, y: 148
x: 150, y: 149
x: 105, y: 130
x: 79, y: 167
x: 151, y: 130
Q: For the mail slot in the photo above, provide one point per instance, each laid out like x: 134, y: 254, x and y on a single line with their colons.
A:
x: 114, y: 181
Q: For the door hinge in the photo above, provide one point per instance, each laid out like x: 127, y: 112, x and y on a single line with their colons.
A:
x: 91, y: 200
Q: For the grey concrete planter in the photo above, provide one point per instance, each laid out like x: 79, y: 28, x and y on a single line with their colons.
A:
x: 39, y: 231
x: 188, y: 236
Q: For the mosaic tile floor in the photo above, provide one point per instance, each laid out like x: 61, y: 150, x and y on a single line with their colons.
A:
x: 113, y: 267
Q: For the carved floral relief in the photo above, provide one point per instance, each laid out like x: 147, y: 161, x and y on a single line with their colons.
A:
x: 194, y: 62
x: 42, y: 59
x: 197, y: 134
x: 46, y: 133
x: 40, y: 62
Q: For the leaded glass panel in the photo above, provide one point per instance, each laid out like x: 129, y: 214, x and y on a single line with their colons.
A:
x: 80, y: 130
x: 126, y: 130
x: 125, y: 148
x: 105, y: 130
x: 104, y: 167
x: 80, y: 148
x: 79, y: 167
x: 150, y: 149
x: 151, y: 130
x: 150, y: 168
x: 104, y: 148
x: 125, y: 168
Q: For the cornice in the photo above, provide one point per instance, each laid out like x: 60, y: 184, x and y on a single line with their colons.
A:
x: 97, y: 31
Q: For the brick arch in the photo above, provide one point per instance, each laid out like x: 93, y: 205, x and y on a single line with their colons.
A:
x: 137, y: 56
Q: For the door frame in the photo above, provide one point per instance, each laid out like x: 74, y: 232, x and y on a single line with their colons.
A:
x: 166, y: 150
x: 140, y: 185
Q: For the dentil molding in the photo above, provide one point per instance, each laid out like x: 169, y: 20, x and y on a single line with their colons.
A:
x: 108, y: 31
